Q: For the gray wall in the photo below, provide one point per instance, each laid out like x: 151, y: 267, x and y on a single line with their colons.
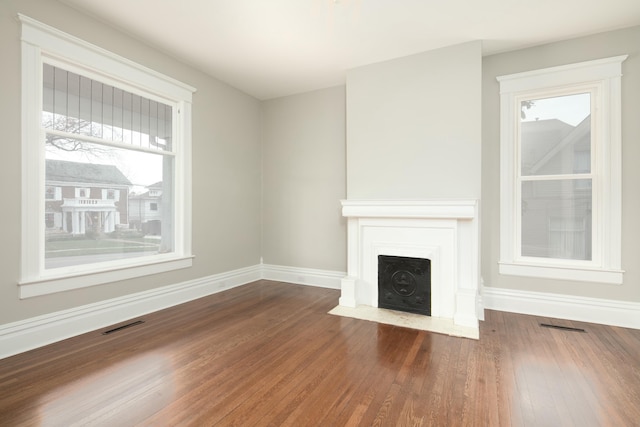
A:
x: 413, y: 126
x: 303, y: 139
x: 582, y: 49
x: 226, y: 164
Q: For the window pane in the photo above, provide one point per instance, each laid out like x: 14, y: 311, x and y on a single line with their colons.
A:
x: 104, y: 212
x: 556, y: 219
x: 555, y: 135
x: 77, y: 104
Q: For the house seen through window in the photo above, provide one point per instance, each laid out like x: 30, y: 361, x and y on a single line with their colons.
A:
x: 555, y: 177
x: 102, y: 142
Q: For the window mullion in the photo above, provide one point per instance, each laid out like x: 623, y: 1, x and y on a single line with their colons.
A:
x: 115, y: 144
x: 557, y: 177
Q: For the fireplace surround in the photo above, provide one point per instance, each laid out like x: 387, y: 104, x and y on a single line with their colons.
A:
x: 444, y: 231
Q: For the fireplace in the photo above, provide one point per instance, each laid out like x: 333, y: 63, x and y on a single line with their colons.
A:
x: 404, y: 284
x: 445, y: 232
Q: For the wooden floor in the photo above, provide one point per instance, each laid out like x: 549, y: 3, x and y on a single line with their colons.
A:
x: 268, y: 354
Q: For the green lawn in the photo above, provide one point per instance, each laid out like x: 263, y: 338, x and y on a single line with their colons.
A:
x: 75, y: 247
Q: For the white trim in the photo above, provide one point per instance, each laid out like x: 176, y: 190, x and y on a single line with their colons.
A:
x: 110, y: 143
x: 72, y: 48
x: 426, y: 209
x: 83, y: 280
x: 570, y: 307
x: 613, y: 277
x: 40, y: 42
x: 24, y: 335
x: 28, y: 334
x: 569, y: 74
x: 32, y: 174
x: 602, y: 78
x: 303, y: 276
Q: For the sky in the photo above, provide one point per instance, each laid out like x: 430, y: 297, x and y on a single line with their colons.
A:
x: 570, y: 109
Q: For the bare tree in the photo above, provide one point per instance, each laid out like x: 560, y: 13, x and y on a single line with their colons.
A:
x: 56, y: 143
x: 525, y: 104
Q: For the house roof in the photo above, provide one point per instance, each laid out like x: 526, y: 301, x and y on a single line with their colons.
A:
x: 146, y: 195
x: 65, y: 171
x: 577, y: 135
x: 541, y: 136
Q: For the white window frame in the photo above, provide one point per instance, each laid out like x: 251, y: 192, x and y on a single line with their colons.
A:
x: 105, y: 194
x: 603, y: 79
x: 57, y: 193
x: 41, y: 42
x: 79, y: 191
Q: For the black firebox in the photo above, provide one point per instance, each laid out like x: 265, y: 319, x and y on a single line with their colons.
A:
x: 404, y: 284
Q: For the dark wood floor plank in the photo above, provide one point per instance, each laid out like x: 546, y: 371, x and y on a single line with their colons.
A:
x: 339, y: 378
x: 268, y: 354
x: 392, y: 346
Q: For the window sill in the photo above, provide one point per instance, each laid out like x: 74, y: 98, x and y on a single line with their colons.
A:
x: 44, y: 286
x: 581, y: 274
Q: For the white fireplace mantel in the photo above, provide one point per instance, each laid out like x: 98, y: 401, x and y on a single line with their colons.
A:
x: 444, y: 231
x: 435, y: 209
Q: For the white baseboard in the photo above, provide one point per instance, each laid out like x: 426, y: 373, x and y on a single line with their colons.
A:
x: 303, y: 276
x: 593, y: 310
x: 18, y: 337
x: 24, y: 335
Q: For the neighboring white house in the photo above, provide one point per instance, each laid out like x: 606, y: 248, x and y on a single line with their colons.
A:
x: 558, y: 213
x: 145, y: 210
x: 81, y: 197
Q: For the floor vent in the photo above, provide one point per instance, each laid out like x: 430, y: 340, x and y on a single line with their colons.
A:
x: 119, y: 328
x: 563, y: 328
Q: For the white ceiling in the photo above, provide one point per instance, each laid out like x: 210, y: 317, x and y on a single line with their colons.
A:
x: 272, y: 48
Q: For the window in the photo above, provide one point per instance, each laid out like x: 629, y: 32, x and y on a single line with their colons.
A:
x: 82, y: 193
x: 99, y: 127
x: 153, y: 206
x: 53, y: 193
x: 560, y: 178
x: 111, y: 194
x: 49, y: 220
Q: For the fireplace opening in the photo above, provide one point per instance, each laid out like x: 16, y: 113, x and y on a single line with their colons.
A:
x: 404, y: 284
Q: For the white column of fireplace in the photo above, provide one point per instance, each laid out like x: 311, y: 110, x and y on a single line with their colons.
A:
x: 443, y: 231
